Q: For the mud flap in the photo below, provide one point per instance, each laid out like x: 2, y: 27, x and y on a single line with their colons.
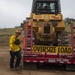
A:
x: 70, y: 67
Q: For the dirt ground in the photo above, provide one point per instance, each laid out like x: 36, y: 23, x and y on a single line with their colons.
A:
x: 4, y: 67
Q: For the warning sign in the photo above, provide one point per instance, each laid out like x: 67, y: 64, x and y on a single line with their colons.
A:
x: 63, y: 50
x: 52, y: 49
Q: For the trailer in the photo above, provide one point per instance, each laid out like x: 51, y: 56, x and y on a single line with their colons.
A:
x: 45, y: 39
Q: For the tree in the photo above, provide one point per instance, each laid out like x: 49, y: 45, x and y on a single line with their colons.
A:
x: 68, y: 20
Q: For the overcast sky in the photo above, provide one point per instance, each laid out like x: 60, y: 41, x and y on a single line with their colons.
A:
x: 13, y: 12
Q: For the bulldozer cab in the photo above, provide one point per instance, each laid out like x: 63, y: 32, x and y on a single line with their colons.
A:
x: 46, y: 6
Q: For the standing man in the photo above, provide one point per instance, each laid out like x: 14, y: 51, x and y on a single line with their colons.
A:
x: 15, y: 48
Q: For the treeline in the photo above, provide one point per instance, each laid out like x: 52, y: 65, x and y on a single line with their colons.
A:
x: 68, y: 20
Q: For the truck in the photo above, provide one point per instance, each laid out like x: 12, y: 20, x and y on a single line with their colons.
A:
x: 45, y: 39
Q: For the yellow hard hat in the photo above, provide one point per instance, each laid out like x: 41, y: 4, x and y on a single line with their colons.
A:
x: 18, y: 31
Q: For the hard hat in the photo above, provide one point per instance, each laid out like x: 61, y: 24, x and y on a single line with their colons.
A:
x: 18, y: 31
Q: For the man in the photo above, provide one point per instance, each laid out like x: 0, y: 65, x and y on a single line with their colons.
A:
x: 15, y: 48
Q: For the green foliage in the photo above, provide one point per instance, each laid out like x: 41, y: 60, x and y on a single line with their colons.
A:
x: 68, y: 20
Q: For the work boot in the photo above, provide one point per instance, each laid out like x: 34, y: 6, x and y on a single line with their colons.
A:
x: 12, y: 69
x: 17, y: 68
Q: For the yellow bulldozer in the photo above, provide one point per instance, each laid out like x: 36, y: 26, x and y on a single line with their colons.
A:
x: 48, y: 23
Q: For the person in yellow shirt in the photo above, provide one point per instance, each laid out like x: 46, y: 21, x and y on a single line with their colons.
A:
x: 15, y: 48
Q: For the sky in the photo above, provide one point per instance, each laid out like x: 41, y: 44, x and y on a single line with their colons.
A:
x: 13, y: 12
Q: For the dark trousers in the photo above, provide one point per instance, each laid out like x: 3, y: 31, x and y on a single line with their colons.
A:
x: 18, y: 59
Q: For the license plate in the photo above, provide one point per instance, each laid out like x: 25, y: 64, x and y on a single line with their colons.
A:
x: 51, y: 60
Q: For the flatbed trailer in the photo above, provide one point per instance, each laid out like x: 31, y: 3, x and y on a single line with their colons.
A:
x: 48, y: 54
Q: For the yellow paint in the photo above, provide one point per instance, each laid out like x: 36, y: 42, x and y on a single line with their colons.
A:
x: 52, y: 49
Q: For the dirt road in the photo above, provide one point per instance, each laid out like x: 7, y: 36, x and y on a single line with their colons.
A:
x: 4, y: 67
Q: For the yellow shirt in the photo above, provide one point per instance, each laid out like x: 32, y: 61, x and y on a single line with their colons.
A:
x: 12, y: 45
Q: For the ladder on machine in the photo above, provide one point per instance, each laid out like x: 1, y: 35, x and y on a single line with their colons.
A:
x: 29, y: 36
x: 73, y: 38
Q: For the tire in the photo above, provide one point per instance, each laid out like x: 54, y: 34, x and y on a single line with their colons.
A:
x: 63, y: 39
